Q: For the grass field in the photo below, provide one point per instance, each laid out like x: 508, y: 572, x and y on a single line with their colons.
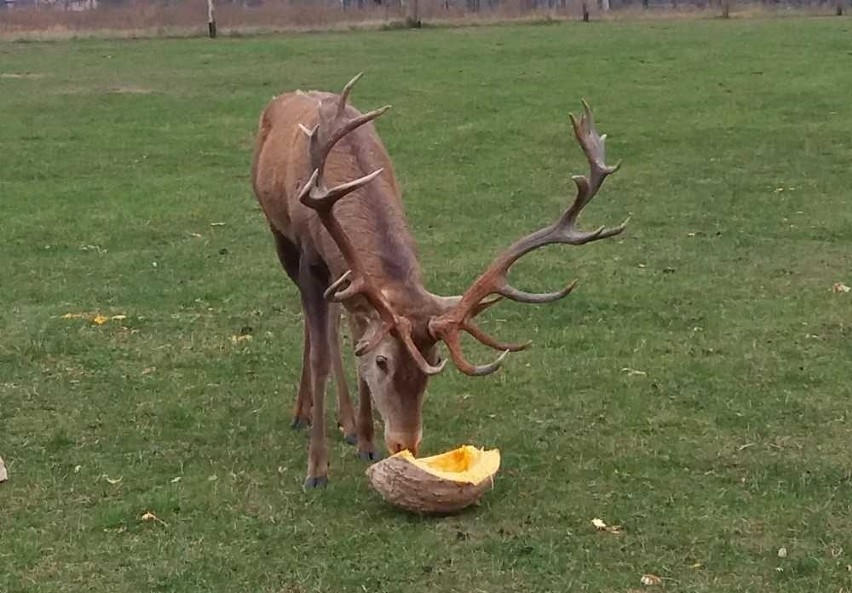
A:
x: 695, y: 388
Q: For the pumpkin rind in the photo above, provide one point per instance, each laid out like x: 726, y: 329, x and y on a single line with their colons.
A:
x: 412, y: 488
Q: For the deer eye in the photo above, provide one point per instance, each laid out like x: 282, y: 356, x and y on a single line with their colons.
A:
x: 382, y: 363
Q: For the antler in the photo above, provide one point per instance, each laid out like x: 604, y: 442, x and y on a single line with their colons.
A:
x: 494, y: 280
x: 334, y: 125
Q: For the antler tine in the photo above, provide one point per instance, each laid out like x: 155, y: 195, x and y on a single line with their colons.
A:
x: 521, y: 296
x: 404, y: 329
x: 316, y: 197
x: 594, y: 147
x: 487, y: 340
x: 564, y: 231
x: 344, y: 94
x: 453, y: 342
x: 331, y: 293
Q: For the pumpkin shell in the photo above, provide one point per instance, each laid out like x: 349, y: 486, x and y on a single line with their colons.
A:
x: 408, y: 483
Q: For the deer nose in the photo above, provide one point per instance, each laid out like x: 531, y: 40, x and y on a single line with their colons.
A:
x: 397, y: 442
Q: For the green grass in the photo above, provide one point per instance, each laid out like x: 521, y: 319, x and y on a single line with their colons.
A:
x: 733, y: 443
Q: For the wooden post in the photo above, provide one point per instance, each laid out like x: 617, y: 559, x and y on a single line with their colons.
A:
x: 839, y: 11
x: 585, y: 12
x: 726, y: 9
x: 412, y: 20
x: 211, y: 19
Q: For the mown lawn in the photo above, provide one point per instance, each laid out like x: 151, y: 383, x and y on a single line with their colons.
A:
x: 695, y: 388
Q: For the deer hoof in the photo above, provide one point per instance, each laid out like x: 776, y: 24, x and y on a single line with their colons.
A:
x: 369, y: 455
x: 299, y: 423
x: 317, y: 482
x: 351, y: 439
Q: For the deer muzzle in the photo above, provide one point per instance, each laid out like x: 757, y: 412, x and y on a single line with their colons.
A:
x: 400, y: 441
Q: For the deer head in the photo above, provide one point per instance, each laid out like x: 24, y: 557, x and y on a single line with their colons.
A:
x: 399, y: 349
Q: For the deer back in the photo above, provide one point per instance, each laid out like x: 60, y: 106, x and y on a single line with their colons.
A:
x: 373, y: 217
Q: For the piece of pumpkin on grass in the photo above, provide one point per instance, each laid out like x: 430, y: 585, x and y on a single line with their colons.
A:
x: 442, y: 483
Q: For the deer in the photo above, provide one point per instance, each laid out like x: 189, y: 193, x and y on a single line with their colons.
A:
x: 357, y: 256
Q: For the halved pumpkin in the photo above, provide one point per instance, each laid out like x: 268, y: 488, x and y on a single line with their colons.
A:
x: 442, y: 483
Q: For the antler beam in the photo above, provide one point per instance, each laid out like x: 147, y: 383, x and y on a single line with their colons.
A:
x: 332, y: 127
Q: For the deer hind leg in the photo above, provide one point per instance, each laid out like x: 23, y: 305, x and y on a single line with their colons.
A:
x: 288, y: 255
x: 312, y: 280
x: 345, y: 411
x: 304, y: 401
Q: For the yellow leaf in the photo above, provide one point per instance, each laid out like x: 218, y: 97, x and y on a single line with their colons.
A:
x: 651, y: 580
x: 149, y: 516
x: 599, y: 524
x: 237, y: 339
x: 73, y: 316
x: 840, y: 288
x: 99, y: 319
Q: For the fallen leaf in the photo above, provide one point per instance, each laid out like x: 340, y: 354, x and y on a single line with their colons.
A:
x: 77, y: 469
x: 237, y: 339
x: 782, y: 552
x: 113, y: 481
x: 601, y: 526
x: 840, y: 288
x: 217, y: 224
x: 100, y: 319
x: 74, y: 316
x: 148, y: 370
x: 175, y: 480
x: 651, y: 580
x: 633, y: 372
x: 149, y: 516
x: 3, y: 475
x: 118, y: 317
x: 696, y: 565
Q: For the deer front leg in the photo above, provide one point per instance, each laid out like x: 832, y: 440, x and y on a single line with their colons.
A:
x: 365, y: 429
x: 345, y: 411
x: 317, y: 322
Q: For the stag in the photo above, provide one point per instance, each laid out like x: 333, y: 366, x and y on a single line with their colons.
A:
x: 312, y: 150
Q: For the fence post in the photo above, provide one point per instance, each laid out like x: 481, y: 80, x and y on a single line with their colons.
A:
x: 211, y: 20
x: 585, y: 12
x: 726, y: 9
x: 412, y: 19
x: 839, y: 11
